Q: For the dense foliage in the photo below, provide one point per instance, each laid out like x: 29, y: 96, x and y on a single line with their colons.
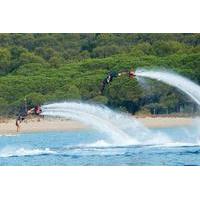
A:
x: 53, y: 67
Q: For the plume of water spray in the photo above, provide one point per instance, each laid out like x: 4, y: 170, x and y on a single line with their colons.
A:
x: 120, y: 128
x: 180, y: 82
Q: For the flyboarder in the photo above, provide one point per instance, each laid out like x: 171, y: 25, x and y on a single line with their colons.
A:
x: 36, y: 110
x: 25, y: 112
x: 131, y: 74
x: 112, y: 75
x: 107, y: 80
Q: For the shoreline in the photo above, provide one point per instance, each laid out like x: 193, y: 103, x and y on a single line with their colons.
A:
x: 7, y: 126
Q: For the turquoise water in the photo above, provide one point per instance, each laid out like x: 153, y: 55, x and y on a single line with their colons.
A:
x: 91, y: 148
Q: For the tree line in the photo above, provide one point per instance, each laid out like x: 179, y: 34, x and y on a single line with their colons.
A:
x: 43, y: 68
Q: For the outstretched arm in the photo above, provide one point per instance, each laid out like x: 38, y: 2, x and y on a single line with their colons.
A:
x: 122, y: 73
x: 31, y: 111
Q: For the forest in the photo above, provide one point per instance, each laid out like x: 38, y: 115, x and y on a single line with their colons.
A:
x: 44, y: 68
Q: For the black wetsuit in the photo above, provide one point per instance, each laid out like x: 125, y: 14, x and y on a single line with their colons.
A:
x: 108, y: 79
x: 22, y: 115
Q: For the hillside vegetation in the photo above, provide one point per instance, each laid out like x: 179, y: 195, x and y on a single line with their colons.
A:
x: 46, y: 68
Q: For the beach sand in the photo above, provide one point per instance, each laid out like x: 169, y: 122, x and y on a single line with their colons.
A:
x: 44, y: 125
x: 7, y: 127
x: 161, y: 122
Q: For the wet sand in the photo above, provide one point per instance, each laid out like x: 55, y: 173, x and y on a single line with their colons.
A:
x: 7, y: 127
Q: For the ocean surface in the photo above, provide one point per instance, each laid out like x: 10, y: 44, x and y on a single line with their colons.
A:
x: 88, y: 147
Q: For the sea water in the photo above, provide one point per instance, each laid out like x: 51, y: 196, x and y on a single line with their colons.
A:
x: 89, y: 147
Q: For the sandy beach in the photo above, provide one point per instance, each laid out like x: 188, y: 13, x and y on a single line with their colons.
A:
x: 161, y: 122
x: 7, y: 127
x: 44, y: 125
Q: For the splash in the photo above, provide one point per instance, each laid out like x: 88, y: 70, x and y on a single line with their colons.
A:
x: 180, y: 82
x: 119, y: 128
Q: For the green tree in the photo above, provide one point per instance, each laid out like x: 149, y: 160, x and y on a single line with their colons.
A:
x: 105, y: 51
x: 163, y: 48
x: 5, y: 60
x: 100, y: 99
x: 28, y: 57
x: 56, y: 61
x: 3, y: 106
x: 71, y: 92
x: 35, y: 99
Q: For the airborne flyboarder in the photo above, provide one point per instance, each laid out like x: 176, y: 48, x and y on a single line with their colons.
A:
x: 113, y: 75
x: 24, y: 112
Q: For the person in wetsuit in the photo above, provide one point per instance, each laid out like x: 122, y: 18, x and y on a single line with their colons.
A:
x: 107, y: 80
x: 36, y: 110
x: 21, y: 117
x: 24, y: 113
x: 113, y: 75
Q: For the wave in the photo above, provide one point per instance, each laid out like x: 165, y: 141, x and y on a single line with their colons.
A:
x: 175, y: 144
x: 18, y: 152
x: 94, y: 149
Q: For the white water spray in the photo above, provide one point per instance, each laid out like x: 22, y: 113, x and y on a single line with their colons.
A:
x: 120, y: 128
x: 180, y: 82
